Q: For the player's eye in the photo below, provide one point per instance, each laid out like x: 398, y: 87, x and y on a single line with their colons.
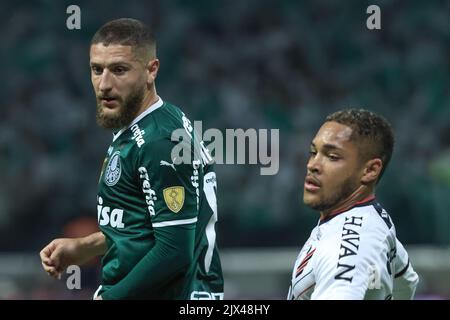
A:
x: 119, y: 70
x: 96, y: 70
x: 312, y: 153
x: 333, y: 157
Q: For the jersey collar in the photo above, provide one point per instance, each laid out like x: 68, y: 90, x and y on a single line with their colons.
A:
x: 149, y: 110
x: 365, y: 202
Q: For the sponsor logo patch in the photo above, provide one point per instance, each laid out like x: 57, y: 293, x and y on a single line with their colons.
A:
x: 174, y: 198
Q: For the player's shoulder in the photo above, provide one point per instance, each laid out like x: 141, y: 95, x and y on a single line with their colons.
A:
x: 377, y: 227
x: 163, y: 135
x: 368, y: 220
x: 355, y: 234
x: 161, y: 123
x: 372, y: 212
x: 159, y: 129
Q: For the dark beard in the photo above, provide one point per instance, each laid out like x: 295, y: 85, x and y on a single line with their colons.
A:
x: 343, y: 193
x: 127, y: 112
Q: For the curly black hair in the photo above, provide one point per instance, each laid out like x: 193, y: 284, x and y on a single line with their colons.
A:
x: 371, y: 131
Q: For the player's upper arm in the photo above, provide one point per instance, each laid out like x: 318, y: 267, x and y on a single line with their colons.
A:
x: 170, y: 190
x: 406, y: 279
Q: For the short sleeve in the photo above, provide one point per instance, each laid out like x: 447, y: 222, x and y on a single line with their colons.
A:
x: 170, y: 190
x: 406, y: 279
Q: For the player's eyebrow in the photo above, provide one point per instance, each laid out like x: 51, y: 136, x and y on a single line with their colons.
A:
x: 111, y: 65
x: 326, y: 146
x: 329, y: 146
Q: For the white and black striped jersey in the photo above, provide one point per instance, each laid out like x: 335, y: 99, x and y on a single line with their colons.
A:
x: 354, y: 254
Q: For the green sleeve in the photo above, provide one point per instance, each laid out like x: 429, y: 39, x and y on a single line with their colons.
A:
x: 170, y: 257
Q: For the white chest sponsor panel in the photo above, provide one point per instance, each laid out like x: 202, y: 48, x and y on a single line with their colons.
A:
x: 351, y: 255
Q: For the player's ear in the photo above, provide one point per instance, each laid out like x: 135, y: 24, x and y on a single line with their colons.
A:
x: 371, y: 171
x: 152, y: 68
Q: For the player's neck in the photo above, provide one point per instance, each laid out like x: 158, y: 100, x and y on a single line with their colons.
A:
x: 361, y: 193
x: 149, y: 99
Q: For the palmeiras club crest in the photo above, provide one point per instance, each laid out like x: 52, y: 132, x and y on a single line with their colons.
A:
x: 113, y: 170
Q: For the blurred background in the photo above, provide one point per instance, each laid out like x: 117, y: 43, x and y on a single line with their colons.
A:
x: 232, y: 64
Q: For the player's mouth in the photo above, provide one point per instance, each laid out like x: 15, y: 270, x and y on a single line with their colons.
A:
x: 109, y: 102
x: 312, y: 184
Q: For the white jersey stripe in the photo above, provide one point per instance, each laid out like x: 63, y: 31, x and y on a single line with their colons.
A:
x: 96, y: 292
x: 173, y: 223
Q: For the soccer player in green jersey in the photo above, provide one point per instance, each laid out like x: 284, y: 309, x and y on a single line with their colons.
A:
x: 156, y: 213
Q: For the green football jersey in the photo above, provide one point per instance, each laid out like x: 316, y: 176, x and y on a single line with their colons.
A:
x: 158, y: 214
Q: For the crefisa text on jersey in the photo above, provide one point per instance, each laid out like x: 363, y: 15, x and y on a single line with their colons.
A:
x: 225, y: 310
x: 138, y: 135
x: 150, y: 194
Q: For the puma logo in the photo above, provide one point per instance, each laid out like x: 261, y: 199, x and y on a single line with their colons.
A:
x: 165, y: 163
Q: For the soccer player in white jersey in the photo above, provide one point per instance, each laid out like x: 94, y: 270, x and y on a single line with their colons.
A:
x: 353, y: 252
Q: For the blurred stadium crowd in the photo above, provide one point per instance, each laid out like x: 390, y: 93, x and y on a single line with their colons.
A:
x: 231, y: 64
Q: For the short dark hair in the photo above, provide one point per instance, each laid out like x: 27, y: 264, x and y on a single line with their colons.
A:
x: 372, y: 131
x: 127, y: 32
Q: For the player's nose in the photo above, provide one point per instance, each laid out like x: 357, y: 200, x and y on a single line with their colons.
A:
x: 105, y: 83
x: 313, y: 165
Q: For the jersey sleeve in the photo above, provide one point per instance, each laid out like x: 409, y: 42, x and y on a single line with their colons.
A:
x: 171, y: 197
x: 406, y: 279
x: 170, y: 190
